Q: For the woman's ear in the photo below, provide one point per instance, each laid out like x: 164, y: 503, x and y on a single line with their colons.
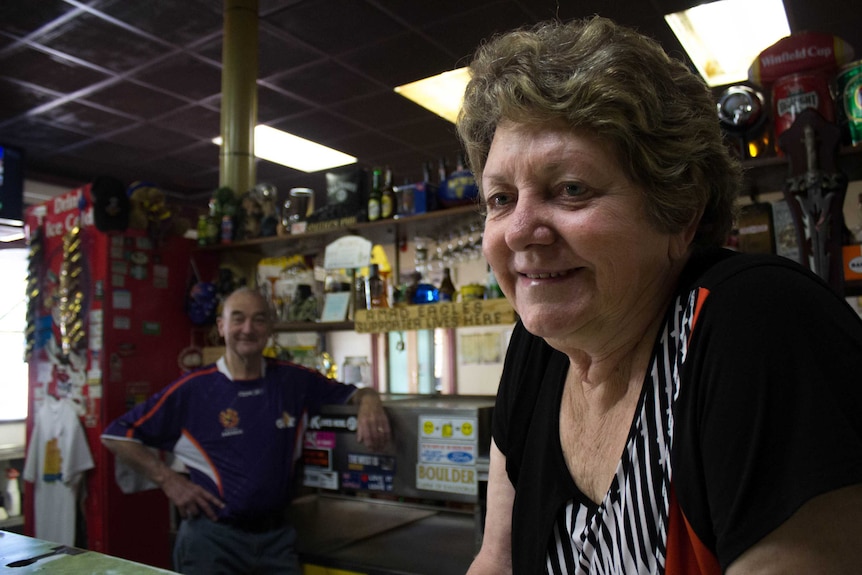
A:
x: 681, y: 241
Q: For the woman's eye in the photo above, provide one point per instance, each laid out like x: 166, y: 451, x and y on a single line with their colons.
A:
x: 573, y: 189
x: 498, y: 200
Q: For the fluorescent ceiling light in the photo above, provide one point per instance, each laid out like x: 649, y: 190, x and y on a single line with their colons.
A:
x: 294, y: 152
x: 724, y: 38
x: 11, y: 230
x: 442, y: 94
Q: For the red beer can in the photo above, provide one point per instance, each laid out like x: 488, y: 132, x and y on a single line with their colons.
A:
x: 794, y: 93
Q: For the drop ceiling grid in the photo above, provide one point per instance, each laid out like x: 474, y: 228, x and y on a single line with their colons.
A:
x: 131, y: 89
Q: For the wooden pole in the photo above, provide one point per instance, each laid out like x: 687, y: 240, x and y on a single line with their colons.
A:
x: 239, y: 95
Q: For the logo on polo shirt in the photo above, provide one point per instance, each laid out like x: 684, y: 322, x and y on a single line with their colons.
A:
x: 229, y: 419
x: 286, y: 421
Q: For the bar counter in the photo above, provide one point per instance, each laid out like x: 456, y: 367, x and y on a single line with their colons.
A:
x: 45, y: 557
x: 374, y: 537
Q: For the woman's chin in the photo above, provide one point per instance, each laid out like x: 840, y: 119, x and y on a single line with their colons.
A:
x: 547, y: 323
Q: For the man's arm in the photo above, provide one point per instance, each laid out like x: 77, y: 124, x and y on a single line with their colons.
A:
x: 495, y: 556
x: 824, y: 537
x: 373, y: 428
x: 189, y: 499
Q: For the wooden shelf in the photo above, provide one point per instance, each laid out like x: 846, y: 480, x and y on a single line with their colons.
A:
x: 766, y: 174
x: 384, y: 231
x: 316, y: 326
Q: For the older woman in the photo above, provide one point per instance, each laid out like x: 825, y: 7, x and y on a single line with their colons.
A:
x: 666, y: 406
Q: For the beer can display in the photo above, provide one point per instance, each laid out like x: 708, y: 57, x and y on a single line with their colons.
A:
x: 797, y: 92
x: 849, y: 96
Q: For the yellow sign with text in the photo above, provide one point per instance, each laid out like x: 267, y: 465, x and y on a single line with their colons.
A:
x: 447, y: 478
x: 436, y: 315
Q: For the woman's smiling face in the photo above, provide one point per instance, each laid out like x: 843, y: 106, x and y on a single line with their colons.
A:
x: 568, y: 237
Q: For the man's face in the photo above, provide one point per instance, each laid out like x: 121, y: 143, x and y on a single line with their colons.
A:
x: 244, y: 324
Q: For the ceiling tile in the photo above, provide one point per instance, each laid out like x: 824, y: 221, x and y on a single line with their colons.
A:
x: 37, y: 137
x: 335, y: 26
x: 18, y: 98
x: 318, y: 126
x: 105, y: 153
x: 22, y: 18
x: 433, y: 131
x: 324, y: 83
x: 461, y: 35
x: 183, y: 75
x: 52, y: 72
x: 279, y: 54
x: 151, y: 138
x: 84, y: 119
x: 94, y: 40
x: 382, y: 110
x: 366, y: 144
x: 420, y: 13
x: 69, y: 169
x: 193, y: 120
x: 202, y: 154
x: 187, y: 20
x: 401, y: 59
x: 135, y: 100
x: 269, y: 6
x: 273, y: 105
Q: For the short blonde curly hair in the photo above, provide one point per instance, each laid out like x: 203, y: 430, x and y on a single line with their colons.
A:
x: 598, y: 76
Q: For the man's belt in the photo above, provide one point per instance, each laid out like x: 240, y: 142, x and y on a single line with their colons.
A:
x: 259, y: 524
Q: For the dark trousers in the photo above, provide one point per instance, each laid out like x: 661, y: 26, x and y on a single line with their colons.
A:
x: 205, y: 547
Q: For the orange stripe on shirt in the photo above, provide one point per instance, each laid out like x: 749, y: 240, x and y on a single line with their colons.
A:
x: 164, y: 397
x: 702, y: 294
x: 686, y: 553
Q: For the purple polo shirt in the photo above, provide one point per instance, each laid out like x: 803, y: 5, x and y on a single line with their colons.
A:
x: 238, y: 439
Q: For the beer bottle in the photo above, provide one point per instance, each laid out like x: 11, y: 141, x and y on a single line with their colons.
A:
x: 375, y: 197
x: 446, y: 291
x: 377, y: 288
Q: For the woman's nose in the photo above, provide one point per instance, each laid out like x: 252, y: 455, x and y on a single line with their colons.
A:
x: 530, y: 224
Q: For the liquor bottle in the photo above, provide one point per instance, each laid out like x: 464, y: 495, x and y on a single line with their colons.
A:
x: 442, y: 171
x: 360, y: 297
x: 446, y: 291
x: 492, y: 288
x: 226, y: 229
x: 425, y: 199
x: 426, y: 173
x: 387, y: 196
x: 202, y: 230
x: 213, y: 223
x: 375, y: 197
x: 377, y: 296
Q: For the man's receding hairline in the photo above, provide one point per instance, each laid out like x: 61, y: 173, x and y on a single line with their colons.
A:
x: 246, y: 291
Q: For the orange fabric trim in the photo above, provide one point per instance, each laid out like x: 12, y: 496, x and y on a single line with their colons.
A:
x: 172, y: 389
x: 686, y: 553
x: 702, y: 294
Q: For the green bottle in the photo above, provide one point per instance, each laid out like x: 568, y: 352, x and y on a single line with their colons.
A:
x: 375, y: 197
